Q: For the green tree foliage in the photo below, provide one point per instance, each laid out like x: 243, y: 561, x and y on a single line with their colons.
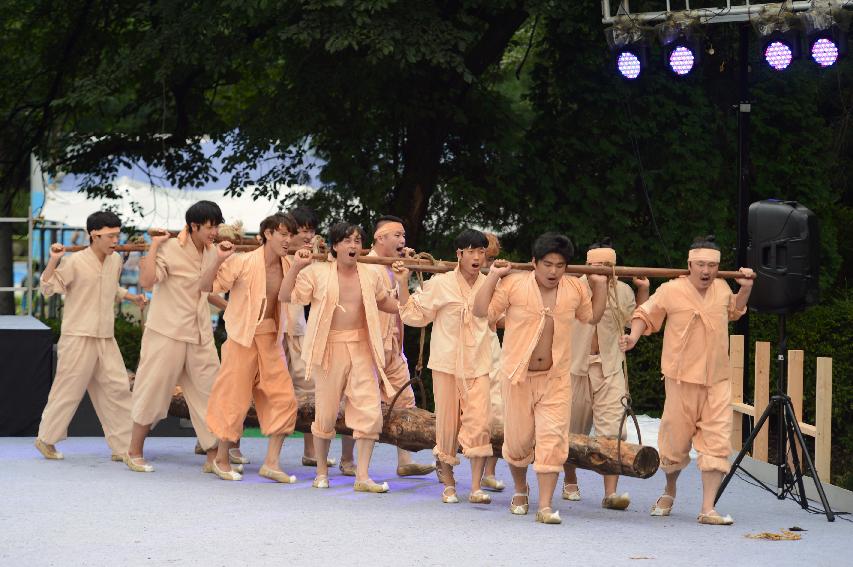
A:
x: 500, y: 113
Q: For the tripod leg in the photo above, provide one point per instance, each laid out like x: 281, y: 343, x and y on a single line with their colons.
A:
x: 796, y: 469
x: 830, y: 516
x: 744, y: 450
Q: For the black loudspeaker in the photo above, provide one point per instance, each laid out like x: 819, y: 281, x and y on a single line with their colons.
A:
x: 784, y: 252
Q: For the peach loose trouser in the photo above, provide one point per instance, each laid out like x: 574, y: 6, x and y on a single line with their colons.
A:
x: 93, y: 365
x: 397, y: 371
x: 697, y: 415
x: 257, y: 372
x: 165, y: 363
x: 348, y: 373
x: 536, y: 421
x: 597, y: 400
x: 462, y: 409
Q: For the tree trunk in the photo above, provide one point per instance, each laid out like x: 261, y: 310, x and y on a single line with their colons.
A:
x: 421, y: 159
x: 414, y: 430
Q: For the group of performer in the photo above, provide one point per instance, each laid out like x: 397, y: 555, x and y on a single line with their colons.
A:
x: 560, y: 368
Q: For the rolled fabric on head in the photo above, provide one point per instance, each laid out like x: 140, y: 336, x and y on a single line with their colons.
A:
x: 601, y: 255
x: 106, y: 230
x: 703, y: 254
x: 388, y: 228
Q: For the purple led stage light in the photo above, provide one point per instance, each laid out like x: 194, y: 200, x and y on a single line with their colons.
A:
x: 628, y: 65
x: 778, y: 55
x: 681, y: 60
x: 824, y: 52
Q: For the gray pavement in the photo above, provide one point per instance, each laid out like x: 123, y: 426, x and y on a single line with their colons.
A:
x: 87, y: 510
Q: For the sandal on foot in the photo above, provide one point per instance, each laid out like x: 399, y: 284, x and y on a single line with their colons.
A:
x: 225, y: 475
x: 237, y: 458
x: 320, y: 481
x: 658, y: 510
x: 479, y: 497
x: 117, y: 458
x: 370, y: 486
x: 493, y: 484
x: 415, y: 469
x: 198, y: 450
x: 48, y: 451
x: 448, y: 495
x: 520, y: 509
x: 278, y: 476
x: 547, y: 516
x: 208, y: 468
x: 137, y: 464
x: 312, y: 462
x: 347, y: 468
x: 571, y: 492
x: 714, y: 519
x: 616, y: 501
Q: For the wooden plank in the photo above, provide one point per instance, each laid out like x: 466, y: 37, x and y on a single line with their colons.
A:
x: 795, y: 388
x: 743, y: 409
x: 736, y: 365
x: 823, y: 418
x: 809, y: 430
x: 762, y: 398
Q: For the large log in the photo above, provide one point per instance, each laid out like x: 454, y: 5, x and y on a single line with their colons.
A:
x: 414, y: 430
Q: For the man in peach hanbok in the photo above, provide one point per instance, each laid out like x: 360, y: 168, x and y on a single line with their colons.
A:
x: 695, y: 367
x: 540, y: 308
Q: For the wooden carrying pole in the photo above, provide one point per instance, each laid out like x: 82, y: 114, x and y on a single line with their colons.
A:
x: 441, y: 266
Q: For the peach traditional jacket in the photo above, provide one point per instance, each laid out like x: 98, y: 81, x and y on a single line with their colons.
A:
x: 317, y: 285
x: 245, y: 276
x: 617, y: 312
x: 292, y: 315
x: 460, y: 344
x: 179, y: 309
x: 695, y: 341
x: 390, y: 324
x: 518, y: 297
x: 91, y: 289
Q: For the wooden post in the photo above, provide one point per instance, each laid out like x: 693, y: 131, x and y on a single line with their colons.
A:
x: 795, y: 388
x: 823, y: 418
x: 762, y: 398
x: 736, y: 361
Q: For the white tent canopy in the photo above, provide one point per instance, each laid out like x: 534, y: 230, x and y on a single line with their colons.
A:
x: 155, y: 207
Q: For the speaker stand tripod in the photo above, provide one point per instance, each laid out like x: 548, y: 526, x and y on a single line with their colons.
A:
x: 789, y: 476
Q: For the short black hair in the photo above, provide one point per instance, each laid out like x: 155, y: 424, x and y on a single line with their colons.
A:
x: 470, y: 238
x: 604, y: 242
x: 707, y: 241
x: 272, y: 222
x: 553, y: 243
x: 385, y: 219
x: 305, y: 218
x: 341, y: 230
x: 203, y: 212
x: 102, y: 219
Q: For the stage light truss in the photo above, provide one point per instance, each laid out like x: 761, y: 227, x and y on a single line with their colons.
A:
x: 613, y: 11
x: 781, y: 26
